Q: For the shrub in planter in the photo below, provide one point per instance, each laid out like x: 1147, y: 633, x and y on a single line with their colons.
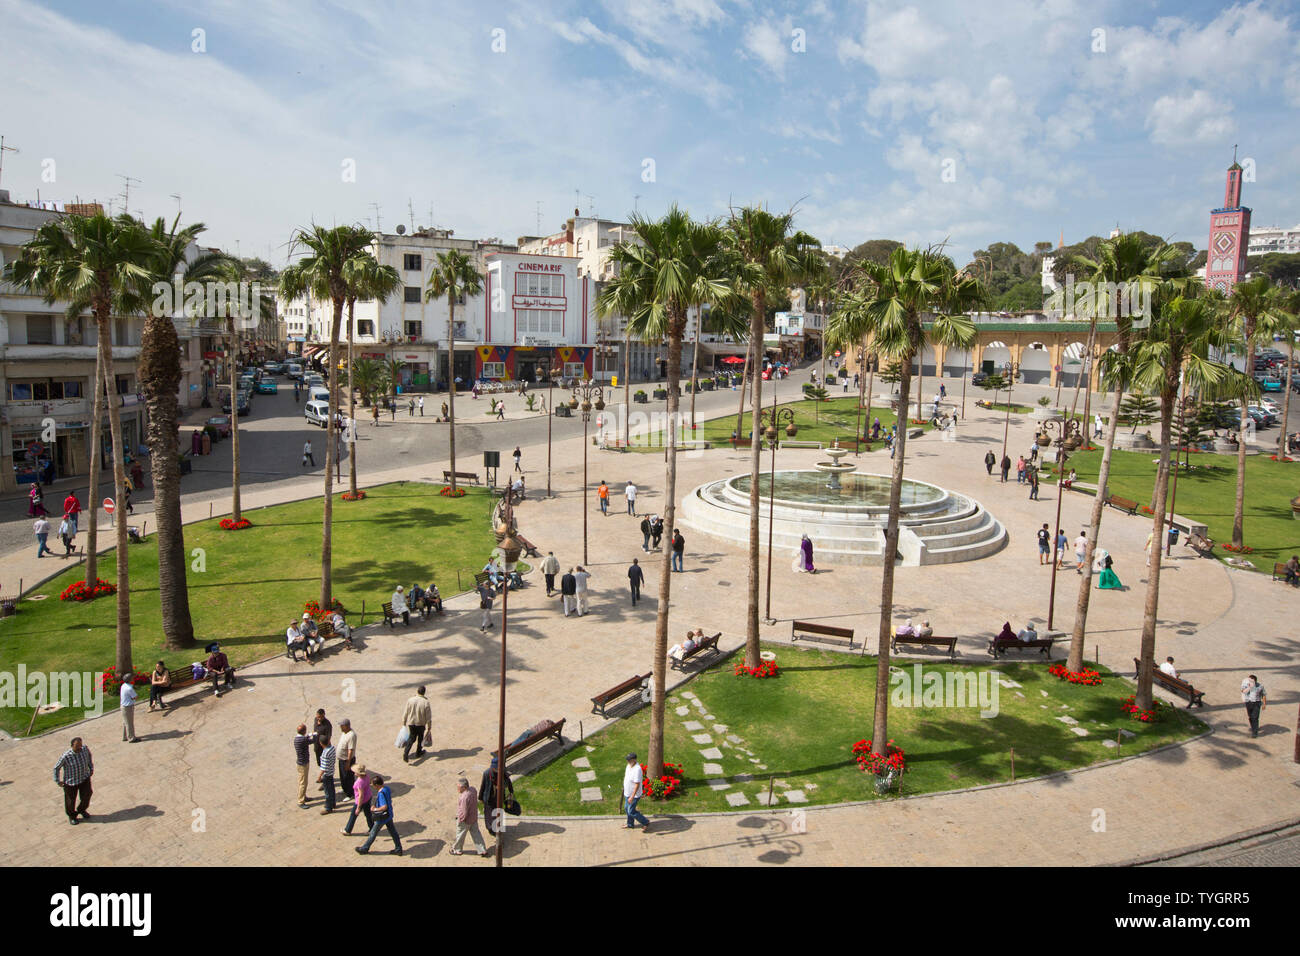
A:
x: 639, y: 396
x: 661, y: 393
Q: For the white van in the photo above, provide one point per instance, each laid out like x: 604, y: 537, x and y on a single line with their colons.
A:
x: 293, y: 370
x: 319, y: 393
x: 317, y: 412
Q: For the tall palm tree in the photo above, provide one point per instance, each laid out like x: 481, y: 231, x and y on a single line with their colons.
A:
x: 764, y: 257
x: 454, y: 276
x: 366, y: 279
x: 1172, y: 354
x: 1288, y: 323
x: 1255, y: 309
x: 894, y: 299
x: 104, y: 265
x: 321, y: 272
x: 674, y: 265
x: 1124, y: 261
x: 368, y: 377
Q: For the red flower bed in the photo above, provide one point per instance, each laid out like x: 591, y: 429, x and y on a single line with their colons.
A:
x: 1244, y: 549
x: 764, y: 669
x: 230, y: 524
x: 663, y: 786
x: 109, y: 682
x: 1146, y: 510
x: 873, y: 763
x: 80, y: 591
x: 1154, y: 715
x: 446, y: 492
x: 319, y: 613
x: 1085, y: 676
x: 349, y: 496
x: 1275, y: 458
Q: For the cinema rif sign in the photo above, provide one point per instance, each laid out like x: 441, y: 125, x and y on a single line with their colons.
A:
x: 551, y: 303
x: 539, y: 267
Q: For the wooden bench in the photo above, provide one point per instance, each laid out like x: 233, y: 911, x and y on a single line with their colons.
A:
x: 605, y: 698
x: 1200, y: 544
x: 1044, y: 644
x: 1279, y: 571
x: 553, y: 729
x: 530, y: 549
x: 389, y: 617
x: 1176, y: 684
x: 738, y: 443
x: 470, y: 476
x: 1123, y: 504
x: 933, y: 639
x: 853, y: 444
x: 825, y: 633
x: 801, y: 444
x: 709, y: 644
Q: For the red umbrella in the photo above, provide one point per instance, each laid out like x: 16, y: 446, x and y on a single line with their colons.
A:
x: 733, y: 360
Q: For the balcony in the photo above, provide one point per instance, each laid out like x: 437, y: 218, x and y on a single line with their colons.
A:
x: 66, y: 353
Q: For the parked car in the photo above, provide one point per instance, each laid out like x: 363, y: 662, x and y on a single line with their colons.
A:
x: 979, y: 378
x: 242, y: 403
x: 313, y: 379
x: 1271, y: 384
x: 221, y: 423
x: 1261, y: 418
x: 318, y: 413
x: 266, y: 386
x: 272, y: 368
x: 293, y: 370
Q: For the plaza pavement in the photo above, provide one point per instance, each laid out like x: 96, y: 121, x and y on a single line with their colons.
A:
x: 228, y: 764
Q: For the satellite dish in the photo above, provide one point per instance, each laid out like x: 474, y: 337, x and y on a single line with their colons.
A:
x: 401, y: 230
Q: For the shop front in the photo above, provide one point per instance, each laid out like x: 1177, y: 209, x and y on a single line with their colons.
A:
x: 516, y: 363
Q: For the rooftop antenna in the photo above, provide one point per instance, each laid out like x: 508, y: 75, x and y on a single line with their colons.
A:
x: 1234, y: 154
x: 5, y: 149
x: 177, y: 197
x: 591, y: 206
x: 430, y: 215
x: 126, y: 190
x: 410, y: 211
x: 375, y: 207
x: 539, y: 217
x: 577, y: 197
x: 635, y: 199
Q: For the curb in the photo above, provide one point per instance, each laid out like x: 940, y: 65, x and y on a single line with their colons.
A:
x: 1241, y: 837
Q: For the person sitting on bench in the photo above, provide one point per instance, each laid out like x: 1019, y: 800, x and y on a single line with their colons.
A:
x: 907, y: 630
x: 415, y: 599
x: 536, y: 728
x: 1168, y: 668
x: 925, y: 630
x: 1292, y: 569
x: 341, y: 629
x: 1069, y: 482
x: 432, y: 599
x: 1006, y: 634
x: 311, y: 634
x: 679, y: 651
x: 1027, y: 633
x: 399, y: 606
x: 493, y: 573
x: 217, y: 665
x: 295, y: 641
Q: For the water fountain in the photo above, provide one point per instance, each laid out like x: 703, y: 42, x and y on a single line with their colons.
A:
x: 835, y: 467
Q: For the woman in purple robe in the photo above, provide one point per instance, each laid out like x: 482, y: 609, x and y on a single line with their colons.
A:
x: 806, y: 548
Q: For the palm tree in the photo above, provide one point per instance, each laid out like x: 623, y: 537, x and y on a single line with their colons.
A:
x: 104, y: 265
x: 1172, y: 354
x: 454, y: 277
x: 366, y: 279
x: 1124, y: 261
x: 1255, y: 310
x: 321, y: 272
x: 368, y: 377
x: 393, y: 376
x: 764, y: 257
x: 893, y: 300
x: 674, y: 265
x: 1288, y: 323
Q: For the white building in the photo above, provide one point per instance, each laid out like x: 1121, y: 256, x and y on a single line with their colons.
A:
x: 1266, y: 239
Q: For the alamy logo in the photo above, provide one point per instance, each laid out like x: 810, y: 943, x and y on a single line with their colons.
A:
x: 921, y: 688
x: 239, y: 300
x: 38, y: 688
x: 74, y: 909
x: 1103, y: 300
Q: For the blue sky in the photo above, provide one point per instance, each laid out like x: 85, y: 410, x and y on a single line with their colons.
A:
x: 972, y: 122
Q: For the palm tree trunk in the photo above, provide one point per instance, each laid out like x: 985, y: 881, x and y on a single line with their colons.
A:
x: 451, y: 387
x: 352, y: 404
x: 627, y: 388
x: 331, y: 430
x: 123, y: 648
x: 1087, y: 398
x: 1239, y: 508
x: 96, y: 450
x: 755, y: 465
x: 870, y: 381
x: 744, y: 381
x: 1286, y: 401
x: 659, y: 659
x: 1079, y: 633
x: 1148, y: 643
x: 880, y: 722
x: 695, y: 366
x: 235, y: 513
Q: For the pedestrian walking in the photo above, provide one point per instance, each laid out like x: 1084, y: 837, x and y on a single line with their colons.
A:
x: 679, y: 548
x: 1080, y: 551
x: 392, y: 408
x: 1044, y: 543
x: 467, y: 819
x: 347, y: 757
x: 1253, y: 696
x: 602, y: 494
x: 656, y: 531
x: 487, y: 794
x: 646, y: 528
x: 1096, y: 425
x: 1020, y: 470
x: 446, y: 415
x: 36, y: 502
x: 72, y: 508
x: 635, y: 578
x: 302, y: 755
x: 580, y: 578
x: 550, y: 568
x: 410, y: 408
x: 328, y: 762
x: 629, y: 492
x: 501, y: 410
x: 990, y: 460
x: 382, y: 809
x: 1061, y: 542
x: 361, y: 796
x: 307, y: 455
x: 374, y: 414
x: 517, y: 455
x: 128, y: 697
x: 1006, y: 466
x: 485, y: 598
x: 67, y: 534
x: 417, y: 718
x: 569, y: 593
x: 633, y: 778
x: 78, y: 767
x: 1151, y: 535
x: 42, y: 529
x: 421, y: 404
x: 1033, y: 484
x: 126, y: 494
x: 943, y: 391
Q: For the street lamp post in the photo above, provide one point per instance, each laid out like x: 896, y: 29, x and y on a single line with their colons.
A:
x: 511, y: 548
x: 862, y: 384
x: 552, y: 373
x: 774, y: 417
x: 1066, y: 427
x: 587, y: 393
x: 1011, y: 381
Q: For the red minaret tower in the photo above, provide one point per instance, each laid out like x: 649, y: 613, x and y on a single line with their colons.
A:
x: 1229, y: 235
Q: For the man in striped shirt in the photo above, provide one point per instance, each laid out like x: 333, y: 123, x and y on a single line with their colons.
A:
x: 328, y: 758
x: 78, y: 767
x: 302, y: 752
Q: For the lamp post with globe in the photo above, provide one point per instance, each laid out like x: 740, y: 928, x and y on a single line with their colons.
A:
x: 587, y: 394
x: 774, y: 417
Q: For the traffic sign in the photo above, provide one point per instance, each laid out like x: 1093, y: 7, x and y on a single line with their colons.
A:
x: 108, y: 505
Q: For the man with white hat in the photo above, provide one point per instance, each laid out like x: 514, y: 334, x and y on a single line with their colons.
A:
x: 399, y: 606
x: 1028, y: 633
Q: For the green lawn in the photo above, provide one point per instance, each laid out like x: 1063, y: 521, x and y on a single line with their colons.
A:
x: 255, y: 581
x: 1208, y: 494
x: 800, y: 727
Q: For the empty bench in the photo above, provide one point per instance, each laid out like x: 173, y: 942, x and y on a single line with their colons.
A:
x: 1123, y: 504
x: 470, y: 476
x: 825, y: 633
x: 605, y: 698
x: 1044, y: 644
x: 1176, y: 684
x: 932, y: 640
x: 707, y: 645
x: 550, y: 730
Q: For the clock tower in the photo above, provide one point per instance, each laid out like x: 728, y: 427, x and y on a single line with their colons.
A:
x: 1229, y: 235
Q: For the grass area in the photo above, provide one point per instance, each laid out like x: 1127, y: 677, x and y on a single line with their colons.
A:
x: 800, y: 727
x: 254, y: 582
x: 1208, y: 493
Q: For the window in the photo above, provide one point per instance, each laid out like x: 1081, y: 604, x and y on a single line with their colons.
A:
x: 20, y: 391
x: 530, y: 283
x: 365, y: 327
x: 72, y: 389
x: 124, y: 385
x: 574, y: 369
x: 412, y: 262
x: 539, y: 322
x: 40, y: 330
x: 494, y: 369
x: 120, y: 332
x: 412, y: 328
x: 412, y: 293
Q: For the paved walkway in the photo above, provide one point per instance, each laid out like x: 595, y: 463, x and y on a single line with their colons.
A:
x: 213, y: 782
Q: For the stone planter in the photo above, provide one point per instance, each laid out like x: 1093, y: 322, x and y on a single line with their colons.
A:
x: 640, y: 398
x: 660, y: 393
x: 1133, y: 442
x: 706, y: 385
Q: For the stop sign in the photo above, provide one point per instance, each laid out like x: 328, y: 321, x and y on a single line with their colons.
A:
x: 108, y: 505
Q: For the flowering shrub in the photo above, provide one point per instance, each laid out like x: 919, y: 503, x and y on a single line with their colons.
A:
x: 230, y: 524
x: 319, y: 613
x: 1154, y: 715
x: 446, y: 492
x: 349, y: 496
x: 663, y: 786
x: 1283, y: 458
x: 80, y: 591
x: 1146, y: 510
x: 764, y: 669
x: 1244, y: 549
x: 874, y: 763
x: 109, y: 682
x: 1085, y: 676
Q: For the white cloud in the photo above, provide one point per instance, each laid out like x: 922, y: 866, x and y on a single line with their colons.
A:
x: 768, y: 42
x: 1189, y: 120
